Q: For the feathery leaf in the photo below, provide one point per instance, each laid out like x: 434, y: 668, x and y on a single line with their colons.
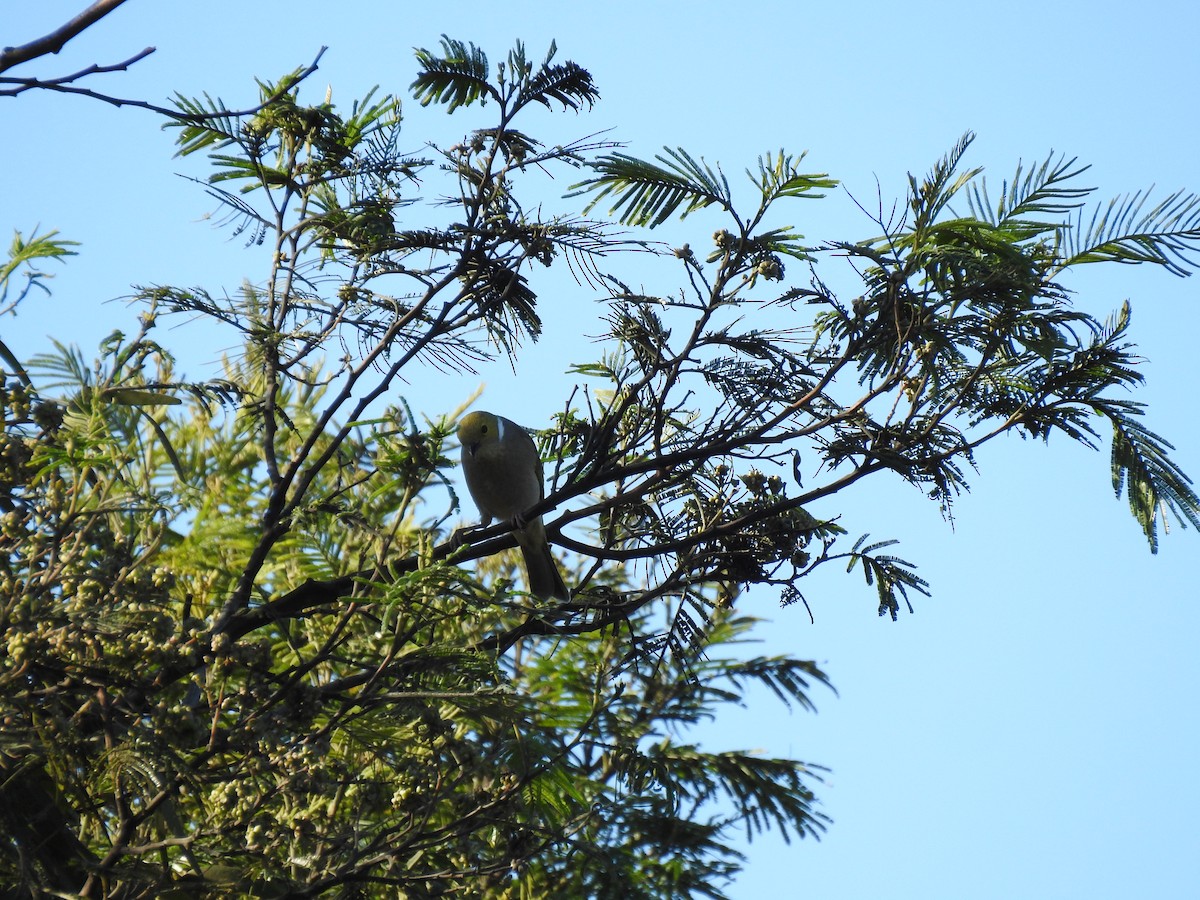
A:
x: 568, y: 84
x: 458, y: 77
x: 647, y: 194
x: 1041, y: 191
x: 1168, y: 235
x: 1153, y: 483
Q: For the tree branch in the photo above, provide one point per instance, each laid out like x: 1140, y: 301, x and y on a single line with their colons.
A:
x: 65, y: 85
x: 57, y: 39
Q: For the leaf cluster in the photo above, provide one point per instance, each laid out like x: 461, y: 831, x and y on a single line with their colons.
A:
x: 237, y: 658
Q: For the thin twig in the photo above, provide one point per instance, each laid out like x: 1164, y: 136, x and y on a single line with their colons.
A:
x: 65, y: 85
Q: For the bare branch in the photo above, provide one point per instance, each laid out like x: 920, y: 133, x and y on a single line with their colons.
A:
x: 66, y: 85
x: 57, y: 39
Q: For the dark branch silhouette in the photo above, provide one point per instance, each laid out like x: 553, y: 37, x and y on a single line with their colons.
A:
x: 57, y: 39
x: 12, y: 86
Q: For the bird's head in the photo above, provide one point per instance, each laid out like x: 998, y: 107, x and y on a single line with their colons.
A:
x: 478, y: 429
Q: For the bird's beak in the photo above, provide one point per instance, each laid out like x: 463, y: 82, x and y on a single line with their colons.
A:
x: 471, y: 448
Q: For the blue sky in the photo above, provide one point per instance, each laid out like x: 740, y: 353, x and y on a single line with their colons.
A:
x: 1032, y: 730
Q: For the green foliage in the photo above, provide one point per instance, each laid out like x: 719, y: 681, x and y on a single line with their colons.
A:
x: 373, y: 744
x: 1166, y: 235
x: 1045, y: 189
x: 647, y: 194
x: 650, y: 194
x: 245, y: 655
x: 23, y: 256
x: 1153, y: 483
x: 460, y: 77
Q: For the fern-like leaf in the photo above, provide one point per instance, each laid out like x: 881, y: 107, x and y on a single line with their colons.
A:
x: 458, y: 77
x: 23, y: 254
x: 369, y: 116
x: 568, y: 84
x: 1040, y: 191
x: 780, y: 176
x: 203, y: 123
x: 648, y: 194
x: 788, y: 679
x: 765, y: 793
x: 1167, y: 235
x: 64, y: 369
x: 931, y: 196
x: 1152, y: 482
x: 890, y: 575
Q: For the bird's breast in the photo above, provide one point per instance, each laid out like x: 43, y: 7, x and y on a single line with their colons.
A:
x: 500, y: 489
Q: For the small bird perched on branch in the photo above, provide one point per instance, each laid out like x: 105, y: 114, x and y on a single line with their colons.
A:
x: 504, y: 475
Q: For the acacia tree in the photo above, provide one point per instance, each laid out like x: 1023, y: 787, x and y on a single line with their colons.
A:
x: 246, y: 654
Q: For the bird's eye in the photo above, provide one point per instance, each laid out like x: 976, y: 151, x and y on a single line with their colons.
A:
x: 483, y: 429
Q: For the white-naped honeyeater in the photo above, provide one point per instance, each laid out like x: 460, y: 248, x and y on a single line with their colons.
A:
x: 504, y: 475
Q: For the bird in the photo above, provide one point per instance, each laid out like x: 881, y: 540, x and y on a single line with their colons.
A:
x: 504, y: 475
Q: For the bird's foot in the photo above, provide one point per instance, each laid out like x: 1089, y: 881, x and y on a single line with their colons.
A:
x: 458, y: 537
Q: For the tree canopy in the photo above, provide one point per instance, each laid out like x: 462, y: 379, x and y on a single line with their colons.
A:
x: 245, y: 650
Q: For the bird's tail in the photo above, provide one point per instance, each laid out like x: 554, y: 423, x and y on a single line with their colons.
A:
x: 545, y: 581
